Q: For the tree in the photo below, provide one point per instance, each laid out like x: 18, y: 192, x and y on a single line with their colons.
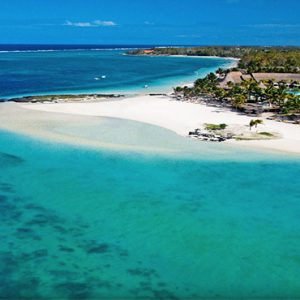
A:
x: 221, y: 71
x: 178, y: 89
x: 252, y: 89
x: 270, y: 93
x: 219, y: 93
x: 238, y: 100
x: 282, y: 96
x: 255, y: 123
x: 292, y: 104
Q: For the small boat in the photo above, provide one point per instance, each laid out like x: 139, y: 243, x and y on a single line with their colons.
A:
x: 96, y: 78
x: 146, y: 86
x: 103, y: 76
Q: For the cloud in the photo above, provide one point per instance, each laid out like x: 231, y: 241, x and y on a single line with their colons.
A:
x: 104, y: 23
x: 97, y: 23
x: 78, y: 24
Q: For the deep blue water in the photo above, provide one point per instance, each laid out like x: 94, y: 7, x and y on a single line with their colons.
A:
x: 29, y: 70
x: 57, y: 47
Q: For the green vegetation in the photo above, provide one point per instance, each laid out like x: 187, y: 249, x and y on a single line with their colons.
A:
x: 198, y: 51
x: 268, y: 134
x: 71, y: 97
x: 215, y: 126
x: 255, y: 123
x: 272, y: 60
x: 277, y: 99
x: 252, y: 59
x: 249, y: 94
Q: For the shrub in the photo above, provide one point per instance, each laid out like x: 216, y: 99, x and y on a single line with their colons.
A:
x: 266, y: 134
x: 215, y: 126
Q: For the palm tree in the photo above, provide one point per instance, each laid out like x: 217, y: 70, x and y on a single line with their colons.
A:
x: 219, y: 93
x: 255, y: 123
x: 251, y: 88
x: 178, y: 89
x: 282, y: 96
x: 292, y: 104
x: 212, y: 78
x: 220, y: 71
x: 270, y: 93
x: 238, y: 100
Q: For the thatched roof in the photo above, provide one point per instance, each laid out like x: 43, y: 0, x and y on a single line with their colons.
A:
x: 247, y: 77
x: 234, y: 77
x: 276, y: 76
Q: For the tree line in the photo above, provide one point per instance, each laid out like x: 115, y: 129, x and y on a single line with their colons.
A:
x: 252, y: 59
x: 248, y: 91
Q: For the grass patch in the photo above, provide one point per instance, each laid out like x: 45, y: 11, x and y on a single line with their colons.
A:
x: 215, y: 126
x: 266, y: 134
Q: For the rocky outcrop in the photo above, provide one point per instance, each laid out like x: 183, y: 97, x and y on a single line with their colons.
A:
x: 204, y: 135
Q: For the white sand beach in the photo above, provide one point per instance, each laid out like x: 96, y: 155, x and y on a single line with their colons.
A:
x: 180, y: 117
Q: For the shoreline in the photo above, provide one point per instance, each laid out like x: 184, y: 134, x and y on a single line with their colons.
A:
x: 162, y: 111
x: 179, y: 117
x: 165, y: 88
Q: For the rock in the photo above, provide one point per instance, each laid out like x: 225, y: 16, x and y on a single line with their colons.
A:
x: 209, y: 136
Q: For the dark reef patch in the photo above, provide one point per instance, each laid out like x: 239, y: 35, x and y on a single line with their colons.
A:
x: 146, y: 273
x: 9, y: 160
x: 24, y: 230
x: 3, y: 198
x: 65, y: 249
x: 94, y: 248
x: 9, y: 211
x: 6, y: 188
x: 47, y: 219
x: 27, y: 233
x: 60, y: 229
x: 163, y: 294
x: 27, y: 288
x: 74, y: 290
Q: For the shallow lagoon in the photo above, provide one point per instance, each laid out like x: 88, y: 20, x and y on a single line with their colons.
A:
x: 82, y: 223
x: 90, y: 71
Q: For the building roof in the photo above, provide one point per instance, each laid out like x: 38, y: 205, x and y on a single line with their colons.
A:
x: 276, y: 76
x: 234, y: 77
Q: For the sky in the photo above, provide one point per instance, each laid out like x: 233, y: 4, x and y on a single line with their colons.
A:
x: 150, y: 22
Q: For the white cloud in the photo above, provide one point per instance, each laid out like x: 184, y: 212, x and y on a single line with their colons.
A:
x: 78, y: 24
x: 97, y: 23
x: 104, y: 23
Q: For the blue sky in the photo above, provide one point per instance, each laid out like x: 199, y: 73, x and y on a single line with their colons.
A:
x: 209, y: 22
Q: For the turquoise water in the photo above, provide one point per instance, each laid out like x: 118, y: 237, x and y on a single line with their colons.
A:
x: 77, y: 223
x: 75, y: 71
x: 171, y: 218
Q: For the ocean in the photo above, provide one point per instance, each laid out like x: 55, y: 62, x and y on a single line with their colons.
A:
x: 204, y: 221
x: 76, y: 69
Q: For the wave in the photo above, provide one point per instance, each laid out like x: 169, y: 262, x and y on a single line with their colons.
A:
x: 67, y: 50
